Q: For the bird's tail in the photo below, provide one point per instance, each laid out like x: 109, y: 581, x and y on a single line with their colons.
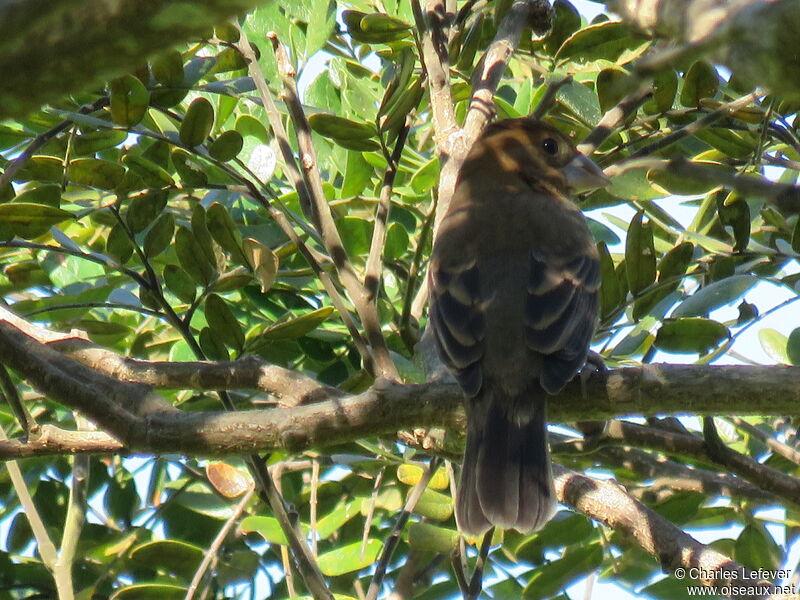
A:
x: 506, y: 479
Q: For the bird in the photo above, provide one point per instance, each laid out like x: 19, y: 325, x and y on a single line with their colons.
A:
x: 513, y: 285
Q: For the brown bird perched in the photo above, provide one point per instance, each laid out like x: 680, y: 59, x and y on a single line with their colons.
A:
x: 513, y: 283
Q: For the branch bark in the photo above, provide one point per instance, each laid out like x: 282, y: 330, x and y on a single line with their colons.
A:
x: 144, y: 422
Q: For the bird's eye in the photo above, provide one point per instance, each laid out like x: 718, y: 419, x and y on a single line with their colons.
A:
x: 550, y: 146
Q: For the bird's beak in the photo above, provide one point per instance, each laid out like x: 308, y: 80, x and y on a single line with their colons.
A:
x: 583, y: 175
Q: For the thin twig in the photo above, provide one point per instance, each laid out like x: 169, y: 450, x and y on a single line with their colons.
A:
x: 457, y: 560
x: 492, y: 65
x: 367, y: 310
x: 695, y: 126
x: 210, y: 555
x: 777, y: 482
x: 44, y: 545
x: 374, y: 263
x: 476, y: 581
x: 305, y: 561
x: 394, y: 536
x: 9, y: 392
x: 74, y: 519
x: 784, y: 450
x: 376, y: 488
x: 312, y: 502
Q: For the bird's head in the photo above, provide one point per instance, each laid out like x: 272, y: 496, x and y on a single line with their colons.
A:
x: 538, y: 153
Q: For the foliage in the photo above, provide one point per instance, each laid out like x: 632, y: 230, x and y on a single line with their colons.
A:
x: 146, y: 218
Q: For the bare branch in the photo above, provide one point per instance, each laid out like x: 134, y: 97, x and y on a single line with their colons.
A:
x: 367, y: 311
x: 394, y: 536
x: 210, y: 555
x: 493, y: 63
x: 777, y: 482
x: 607, y: 502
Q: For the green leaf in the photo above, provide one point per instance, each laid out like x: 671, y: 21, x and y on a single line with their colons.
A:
x: 295, y: 328
x: 434, y: 505
x: 339, y: 128
x: 734, y: 212
x: 266, y: 527
x: 31, y: 220
x: 177, y: 557
x: 611, y: 294
x: 321, y: 24
x: 41, y: 168
x: 95, y: 172
x: 640, y: 254
x: 602, y: 41
x: 397, y: 242
x: 212, y: 346
x: 103, y: 332
x: 581, y: 101
x: 700, y: 81
x: 426, y: 176
x: 225, y: 233
x: 129, y: 99
x: 665, y: 86
x: 192, y: 258
x: 715, y: 295
x: 179, y: 283
x: 248, y: 125
x: 349, y: 558
x: 735, y: 144
x: 144, y: 209
x: 547, y: 580
x: 755, y: 548
x: 774, y: 344
x: 793, y: 347
x: 356, y: 235
x: 197, y: 123
x: 118, y: 244
x: 688, y: 186
x: 374, y: 27
x: 47, y: 193
x: 675, y: 262
x: 95, y: 141
x: 357, y: 174
x: 690, y: 335
x: 190, y: 171
x: 612, y: 86
x: 152, y: 174
x: 341, y: 514
x: 227, y: 146
x: 150, y: 591
x: 432, y: 538
x: 222, y: 322
x: 167, y: 68
x: 158, y: 238
x: 566, y: 21
x: 263, y: 261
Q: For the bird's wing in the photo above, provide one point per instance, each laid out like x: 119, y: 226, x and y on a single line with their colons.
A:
x: 561, y: 314
x: 458, y: 322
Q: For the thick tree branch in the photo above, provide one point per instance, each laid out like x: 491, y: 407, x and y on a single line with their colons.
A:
x: 117, y: 406
x: 607, y: 502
